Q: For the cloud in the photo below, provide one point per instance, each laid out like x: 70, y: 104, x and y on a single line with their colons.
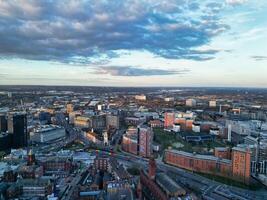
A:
x: 259, y: 58
x: 91, y: 31
x: 3, y: 75
x: 235, y: 2
x: 135, y: 71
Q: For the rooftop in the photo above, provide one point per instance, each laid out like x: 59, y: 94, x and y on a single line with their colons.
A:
x: 47, y: 128
x: 199, y: 156
x: 168, y: 184
x: 240, y: 148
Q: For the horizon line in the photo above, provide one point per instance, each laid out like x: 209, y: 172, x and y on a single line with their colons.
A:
x: 234, y: 87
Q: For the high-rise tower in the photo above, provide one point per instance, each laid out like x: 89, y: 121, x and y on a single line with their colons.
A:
x: 17, y: 126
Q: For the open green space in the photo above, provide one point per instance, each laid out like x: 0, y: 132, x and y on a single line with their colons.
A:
x: 74, y: 146
x: 135, y: 171
x: 176, y: 141
x: 117, y: 148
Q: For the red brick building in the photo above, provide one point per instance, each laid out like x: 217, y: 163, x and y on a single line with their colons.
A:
x: 238, y: 168
x: 241, y: 164
x: 129, y: 144
x: 57, y: 166
x: 130, y: 141
x: 222, y: 152
x: 197, y: 162
x: 158, y: 185
x: 138, y: 141
x: 169, y: 119
x: 145, y: 141
x: 189, y: 124
x: 101, y: 164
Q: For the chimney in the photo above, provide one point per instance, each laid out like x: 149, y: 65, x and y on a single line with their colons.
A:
x: 152, y: 168
x: 139, y: 191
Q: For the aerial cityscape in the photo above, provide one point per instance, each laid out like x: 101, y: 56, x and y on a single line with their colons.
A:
x: 133, y: 143
x: 133, y: 100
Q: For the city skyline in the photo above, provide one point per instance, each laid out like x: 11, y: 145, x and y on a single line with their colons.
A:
x: 134, y: 43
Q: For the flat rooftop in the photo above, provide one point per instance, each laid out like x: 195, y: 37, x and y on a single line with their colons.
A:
x: 199, y: 156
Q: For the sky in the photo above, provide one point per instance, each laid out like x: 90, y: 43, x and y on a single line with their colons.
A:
x: 194, y: 43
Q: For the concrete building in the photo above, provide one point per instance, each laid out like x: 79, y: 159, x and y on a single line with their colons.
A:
x: 9, y: 94
x: 146, y: 115
x: 98, y: 122
x: 229, y: 133
x: 191, y: 102
x: 169, y: 99
x: 196, y: 127
x: 70, y: 108
x: 5, y: 141
x: 99, y: 107
x: 73, y: 115
x: 141, y: 97
x: 47, y: 134
x: 3, y: 123
x: 242, y: 128
x: 214, y: 131
x: 187, y: 115
x: 17, y: 126
x: 44, y: 117
x: 82, y: 122
x: 176, y: 128
x: 212, y: 103
x: 93, y: 137
x: 262, y: 169
x: 134, y: 121
x: 113, y: 121
x: 105, y: 137
x: 252, y: 142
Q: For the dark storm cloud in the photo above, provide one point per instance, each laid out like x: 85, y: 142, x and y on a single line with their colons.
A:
x: 134, y: 71
x: 90, y: 31
x: 259, y: 58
